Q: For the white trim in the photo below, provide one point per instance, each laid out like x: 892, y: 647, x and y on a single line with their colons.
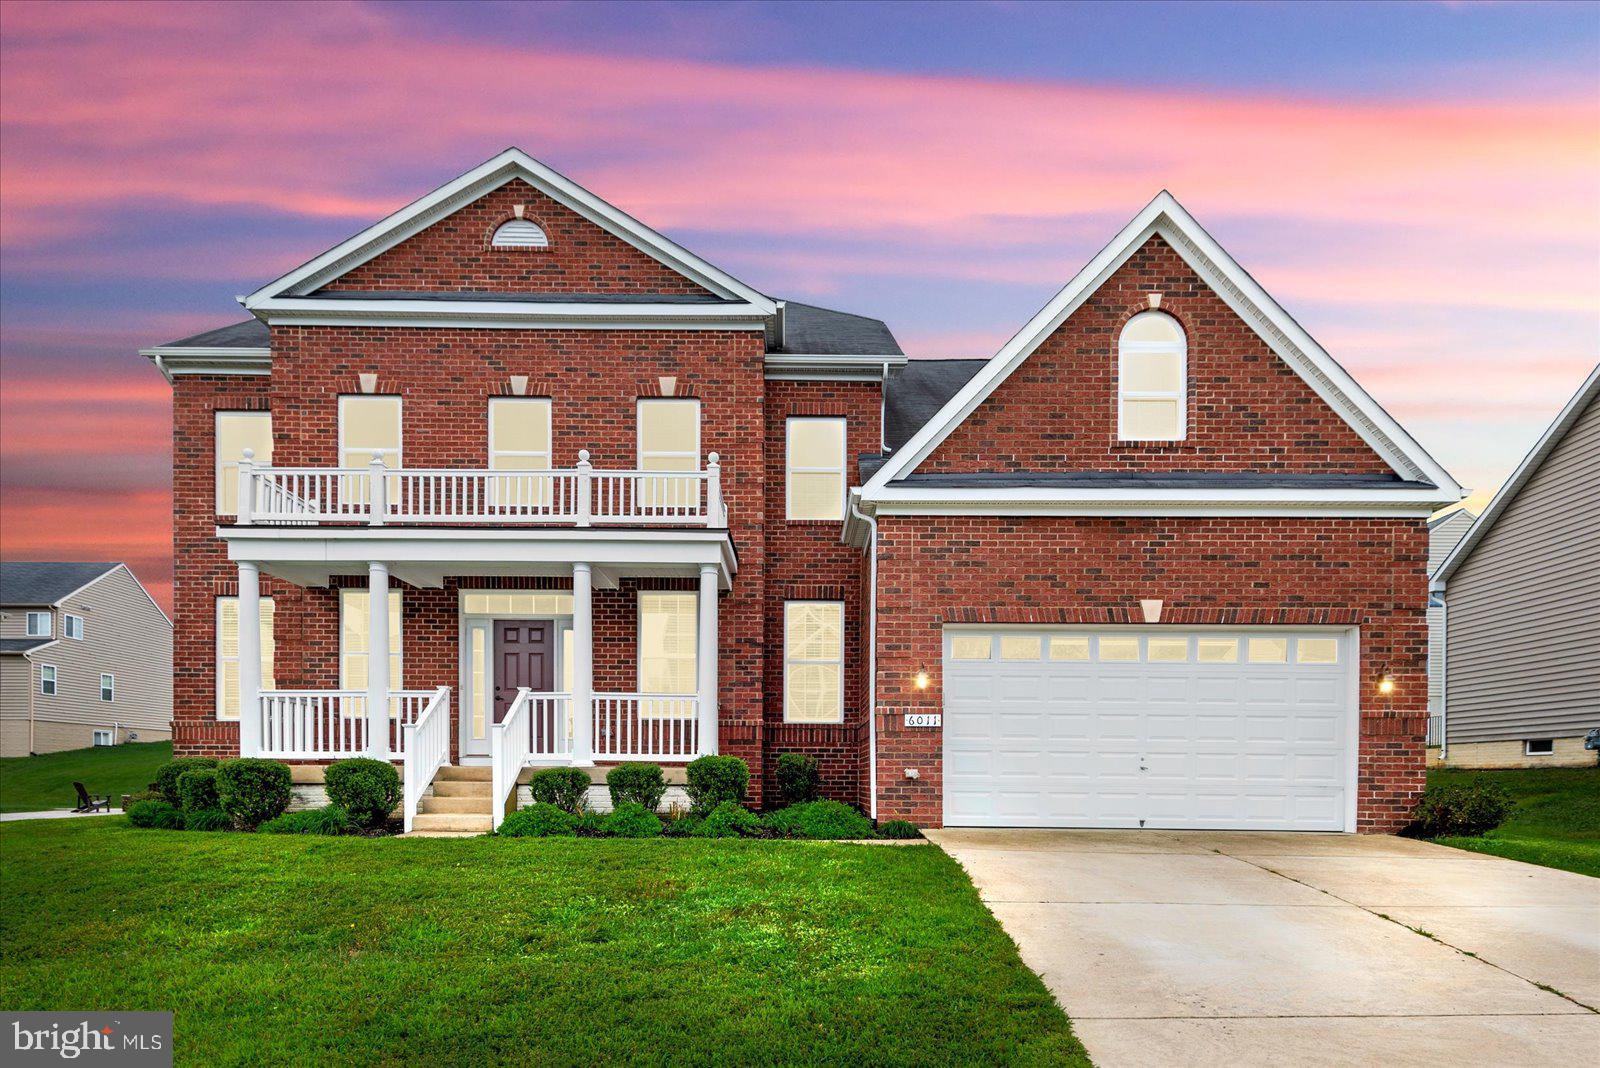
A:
x: 66, y: 626
x: 788, y: 367
x: 639, y: 406
x: 1180, y: 396
x: 1527, y: 747
x: 790, y: 470
x: 109, y: 735
x: 399, y: 436
x: 549, y: 432
x: 172, y: 361
x: 55, y: 681
x: 839, y: 660
x: 1552, y: 437
x: 104, y: 675
x: 49, y: 623
x: 1165, y: 217
x: 485, y: 178
x: 509, y: 315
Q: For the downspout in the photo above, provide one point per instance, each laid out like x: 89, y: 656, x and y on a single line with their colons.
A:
x: 872, y: 660
x: 1444, y: 678
x: 33, y: 688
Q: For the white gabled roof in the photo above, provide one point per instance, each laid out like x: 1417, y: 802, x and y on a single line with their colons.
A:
x: 1165, y: 217
x: 513, y: 163
x: 1553, y: 435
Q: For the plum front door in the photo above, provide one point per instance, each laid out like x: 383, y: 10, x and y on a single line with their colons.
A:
x: 524, y: 655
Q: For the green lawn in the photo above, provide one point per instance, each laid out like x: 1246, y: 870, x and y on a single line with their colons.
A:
x: 36, y: 783
x: 482, y: 950
x: 1556, y: 822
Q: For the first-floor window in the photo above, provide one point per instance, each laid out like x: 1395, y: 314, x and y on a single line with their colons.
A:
x: 108, y: 687
x: 355, y: 631
x: 667, y: 647
x: 47, y: 679
x: 39, y: 625
x: 228, y: 654
x: 813, y: 662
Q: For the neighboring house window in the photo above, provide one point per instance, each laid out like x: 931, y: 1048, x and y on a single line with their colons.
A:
x: 667, y: 646
x: 228, y: 654
x: 102, y: 737
x: 40, y: 625
x: 519, y: 440
x: 355, y: 628
x: 1152, y: 379
x: 669, y: 440
x: 369, y: 428
x: 813, y: 662
x: 520, y: 233
x: 108, y: 687
x: 814, y: 468
x: 236, y: 432
x: 72, y: 626
x: 1539, y: 747
x: 47, y: 679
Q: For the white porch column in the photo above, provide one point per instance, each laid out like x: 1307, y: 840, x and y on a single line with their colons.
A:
x: 378, y: 660
x: 706, y: 650
x: 582, y: 666
x: 249, y: 659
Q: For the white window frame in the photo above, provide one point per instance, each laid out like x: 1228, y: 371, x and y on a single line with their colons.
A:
x: 110, y: 740
x: 346, y: 447
x: 46, y: 628
x: 788, y: 660
x: 1528, y: 750
x: 692, y: 458
x: 227, y: 469
x: 790, y: 469
x: 513, y: 403
x: 1126, y: 348
x: 542, y: 243
x: 108, y: 686
x: 71, y: 623
x: 663, y: 709
x: 51, y: 678
x: 397, y: 648
x: 268, y: 655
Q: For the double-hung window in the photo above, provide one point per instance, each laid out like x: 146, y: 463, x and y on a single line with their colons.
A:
x: 813, y: 661
x: 519, y: 440
x: 228, y: 654
x: 108, y: 686
x: 355, y: 633
x: 40, y: 625
x: 1152, y: 379
x: 236, y: 432
x: 47, y: 679
x: 369, y: 429
x: 814, y: 468
x: 668, y: 639
x: 669, y: 440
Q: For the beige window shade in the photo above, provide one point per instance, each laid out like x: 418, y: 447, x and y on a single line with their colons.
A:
x: 236, y: 432
x: 669, y: 440
x: 815, y: 475
x: 228, y: 654
x: 667, y: 642
x: 355, y: 629
x: 1152, y: 379
x: 813, y: 662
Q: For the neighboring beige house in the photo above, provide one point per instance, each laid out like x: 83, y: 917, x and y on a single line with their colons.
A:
x: 85, y: 658
x: 1445, y: 531
x: 1521, y: 607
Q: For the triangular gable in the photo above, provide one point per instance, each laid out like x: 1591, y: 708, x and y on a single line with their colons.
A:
x: 508, y: 166
x: 1166, y: 218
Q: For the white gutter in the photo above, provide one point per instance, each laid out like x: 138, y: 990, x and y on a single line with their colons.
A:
x: 872, y: 660
x: 1444, y: 679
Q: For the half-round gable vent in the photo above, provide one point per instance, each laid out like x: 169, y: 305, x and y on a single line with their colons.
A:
x: 520, y: 233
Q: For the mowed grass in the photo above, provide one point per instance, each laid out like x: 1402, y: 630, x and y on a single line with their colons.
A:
x: 478, y: 951
x: 1556, y: 821
x: 38, y: 783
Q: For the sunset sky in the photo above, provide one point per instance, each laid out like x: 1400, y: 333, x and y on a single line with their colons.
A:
x: 1419, y: 184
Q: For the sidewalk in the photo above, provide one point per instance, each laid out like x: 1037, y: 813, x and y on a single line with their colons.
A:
x: 53, y: 814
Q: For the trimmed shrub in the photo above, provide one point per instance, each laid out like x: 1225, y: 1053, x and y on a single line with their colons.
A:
x: 715, y: 779
x: 539, y: 820
x: 197, y: 790
x: 142, y: 795
x: 632, y: 820
x: 729, y: 820
x: 798, y: 778
x: 565, y: 788
x: 167, y: 776
x: 638, y: 784
x: 329, y: 819
x: 901, y: 830
x: 159, y: 814
x: 206, y: 819
x: 367, y: 789
x: 1464, y: 809
x: 253, y: 790
x: 820, y: 819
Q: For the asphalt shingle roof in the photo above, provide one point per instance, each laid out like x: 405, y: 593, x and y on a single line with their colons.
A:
x: 812, y: 331
x: 22, y: 645
x: 250, y: 334
x: 37, y: 582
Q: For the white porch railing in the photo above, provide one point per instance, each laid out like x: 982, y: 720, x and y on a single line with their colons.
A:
x: 646, y: 726
x: 426, y: 744
x: 509, y: 752
x: 330, y: 724
x: 579, y: 496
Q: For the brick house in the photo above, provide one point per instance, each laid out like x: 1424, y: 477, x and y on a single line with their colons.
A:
x: 1158, y: 562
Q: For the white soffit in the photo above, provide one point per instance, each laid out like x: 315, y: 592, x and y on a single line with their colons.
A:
x: 1165, y: 217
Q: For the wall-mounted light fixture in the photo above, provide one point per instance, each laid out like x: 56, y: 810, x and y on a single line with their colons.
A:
x: 921, y: 680
x: 1385, y: 683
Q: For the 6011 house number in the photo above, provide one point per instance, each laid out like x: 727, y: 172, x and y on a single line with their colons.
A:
x: 923, y: 719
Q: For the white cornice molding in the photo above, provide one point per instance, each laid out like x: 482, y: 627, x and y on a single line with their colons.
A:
x: 172, y: 361
x: 508, y: 315
x: 795, y: 367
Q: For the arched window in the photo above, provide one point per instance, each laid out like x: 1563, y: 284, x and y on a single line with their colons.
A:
x: 1152, y: 379
x: 520, y: 233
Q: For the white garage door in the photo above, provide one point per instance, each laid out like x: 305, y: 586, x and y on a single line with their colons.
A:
x: 1148, y: 728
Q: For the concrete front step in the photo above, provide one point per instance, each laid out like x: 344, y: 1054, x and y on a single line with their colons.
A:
x: 455, y: 788
x: 474, y: 805
x: 474, y: 823
x: 441, y: 834
x: 465, y: 773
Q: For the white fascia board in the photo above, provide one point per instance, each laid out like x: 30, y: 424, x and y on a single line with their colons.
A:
x: 509, y: 315
x: 789, y: 367
x: 481, y: 180
x: 1157, y: 509
x: 1381, y: 498
x: 107, y: 573
x: 172, y: 361
x: 1552, y: 436
x: 1164, y: 216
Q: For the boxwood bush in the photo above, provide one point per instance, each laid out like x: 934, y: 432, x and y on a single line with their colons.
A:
x: 539, y: 820
x: 798, y: 778
x: 728, y: 820
x: 1464, y: 809
x: 329, y: 819
x: 715, y: 779
x: 565, y: 788
x: 206, y: 819
x: 638, y: 784
x: 820, y: 819
x: 252, y: 790
x: 167, y: 776
x: 159, y: 814
x: 197, y: 790
x: 632, y: 820
x: 365, y: 788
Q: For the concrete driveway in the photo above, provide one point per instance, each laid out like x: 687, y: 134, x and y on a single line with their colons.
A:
x: 1200, y: 947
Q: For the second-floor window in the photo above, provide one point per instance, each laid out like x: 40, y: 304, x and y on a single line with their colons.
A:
x: 47, y: 679
x: 1152, y: 379
x: 39, y: 625
x: 669, y: 440
x: 108, y: 687
x: 814, y: 468
x: 72, y: 626
x: 369, y: 428
x: 519, y: 440
x: 236, y: 432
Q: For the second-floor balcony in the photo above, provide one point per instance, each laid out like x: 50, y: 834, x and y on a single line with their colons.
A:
x: 580, y: 496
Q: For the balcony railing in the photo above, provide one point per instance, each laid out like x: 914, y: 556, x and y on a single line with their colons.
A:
x: 579, y: 496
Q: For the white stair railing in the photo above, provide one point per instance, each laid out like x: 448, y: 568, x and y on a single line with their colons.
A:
x: 427, y: 749
x: 510, y: 746
x: 646, y: 726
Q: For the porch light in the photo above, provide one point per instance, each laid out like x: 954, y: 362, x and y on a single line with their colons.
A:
x: 1386, y: 684
x: 922, y: 679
